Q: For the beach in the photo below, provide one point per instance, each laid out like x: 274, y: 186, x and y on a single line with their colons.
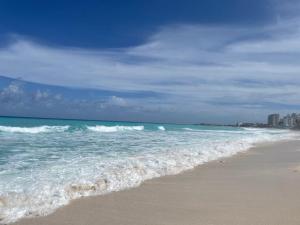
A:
x: 47, y: 164
x: 257, y: 187
x: 150, y: 112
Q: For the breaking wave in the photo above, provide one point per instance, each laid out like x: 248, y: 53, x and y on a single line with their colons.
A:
x: 33, y: 130
x: 108, y: 129
x: 189, y: 129
x: 161, y: 128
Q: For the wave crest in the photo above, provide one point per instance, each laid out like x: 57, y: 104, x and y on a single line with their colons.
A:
x: 34, y: 130
x: 161, y: 128
x: 106, y: 129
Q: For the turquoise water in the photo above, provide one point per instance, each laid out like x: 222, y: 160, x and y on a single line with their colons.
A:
x: 46, y: 163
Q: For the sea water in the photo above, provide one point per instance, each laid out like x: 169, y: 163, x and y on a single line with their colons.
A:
x: 46, y: 163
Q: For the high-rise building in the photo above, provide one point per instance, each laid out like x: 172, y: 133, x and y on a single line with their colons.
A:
x: 290, y: 121
x: 273, y: 120
x: 287, y: 121
x: 298, y: 121
x: 294, y: 117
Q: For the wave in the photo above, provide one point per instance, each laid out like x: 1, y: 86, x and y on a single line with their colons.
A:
x: 33, y: 130
x: 161, y: 128
x: 108, y: 129
x: 222, y: 131
x: 189, y: 129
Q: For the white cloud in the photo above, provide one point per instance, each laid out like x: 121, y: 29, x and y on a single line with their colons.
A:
x: 11, y: 92
x: 12, y: 89
x: 191, y: 64
x: 117, y: 101
x: 41, y: 95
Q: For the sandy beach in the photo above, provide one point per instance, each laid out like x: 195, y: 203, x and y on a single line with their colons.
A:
x: 259, y: 187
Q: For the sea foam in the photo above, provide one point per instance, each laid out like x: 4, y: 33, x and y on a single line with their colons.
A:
x: 161, y: 128
x: 33, y: 130
x: 101, y: 128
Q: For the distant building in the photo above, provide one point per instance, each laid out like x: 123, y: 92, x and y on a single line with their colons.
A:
x: 280, y: 122
x: 298, y: 121
x: 294, y: 118
x: 290, y: 121
x: 273, y: 120
x: 256, y: 125
x: 287, y: 121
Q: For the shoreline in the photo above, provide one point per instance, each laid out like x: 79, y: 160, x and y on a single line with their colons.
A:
x: 247, y: 188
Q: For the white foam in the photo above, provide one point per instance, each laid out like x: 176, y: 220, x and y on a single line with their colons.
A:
x: 33, y: 130
x: 108, y: 129
x: 161, y: 128
x: 189, y: 129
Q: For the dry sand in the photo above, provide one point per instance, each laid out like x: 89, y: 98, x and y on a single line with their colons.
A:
x: 259, y: 187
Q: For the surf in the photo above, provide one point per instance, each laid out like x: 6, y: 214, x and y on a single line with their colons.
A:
x: 33, y: 130
x: 109, y: 129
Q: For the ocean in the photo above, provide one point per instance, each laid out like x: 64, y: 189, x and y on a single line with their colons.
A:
x: 44, y: 163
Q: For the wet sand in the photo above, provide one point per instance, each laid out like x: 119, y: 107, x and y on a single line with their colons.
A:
x: 259, y: 187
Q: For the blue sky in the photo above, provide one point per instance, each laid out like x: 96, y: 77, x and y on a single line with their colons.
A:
x: 160, y: 61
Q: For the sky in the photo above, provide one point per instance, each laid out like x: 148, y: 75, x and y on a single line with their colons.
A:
x: 191, y: 61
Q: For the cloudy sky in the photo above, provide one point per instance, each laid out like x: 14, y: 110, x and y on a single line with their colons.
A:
x: 159, y: 61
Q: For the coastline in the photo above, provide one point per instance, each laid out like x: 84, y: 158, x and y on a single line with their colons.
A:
x: 260, y: 186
